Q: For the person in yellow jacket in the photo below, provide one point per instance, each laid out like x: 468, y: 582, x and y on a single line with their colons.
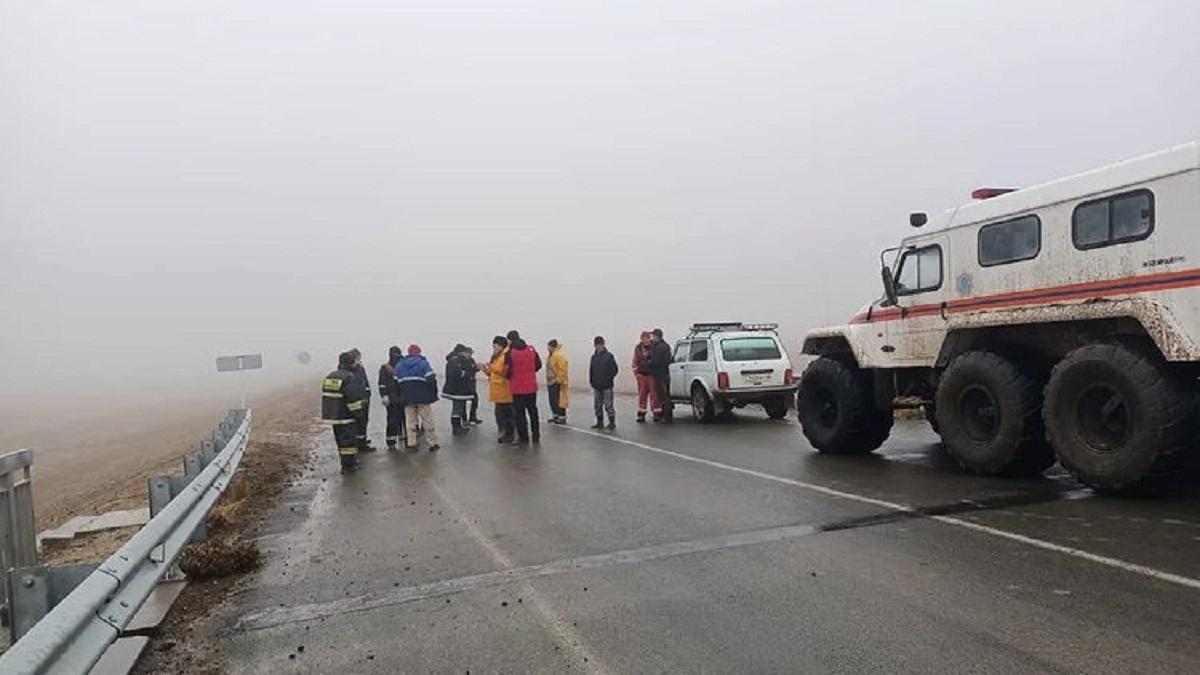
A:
x: 498, y: 391
x: 557, y: 382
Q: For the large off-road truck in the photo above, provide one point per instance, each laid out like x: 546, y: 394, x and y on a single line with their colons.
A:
x: 1060, y: 321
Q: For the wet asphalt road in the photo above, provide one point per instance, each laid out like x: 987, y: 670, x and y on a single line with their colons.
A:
x: 723, y: 548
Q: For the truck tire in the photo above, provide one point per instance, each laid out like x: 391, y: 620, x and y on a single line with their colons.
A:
x: 989, y: 413
x: 776, y: 407
x: 1118, y: 420
x: 930, y: 410
x: 837, y: 411
x: 702, y: 405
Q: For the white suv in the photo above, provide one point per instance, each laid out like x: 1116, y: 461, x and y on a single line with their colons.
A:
x: 720, y: 366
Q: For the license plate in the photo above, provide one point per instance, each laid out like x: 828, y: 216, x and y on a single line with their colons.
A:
x: 756, y: 379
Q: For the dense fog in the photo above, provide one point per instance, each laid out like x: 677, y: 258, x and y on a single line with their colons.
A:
x: 185, y: 179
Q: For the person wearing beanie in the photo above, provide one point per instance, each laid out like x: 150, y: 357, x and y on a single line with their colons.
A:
x: 343, y: 405
x: 473, y: 415
x: 602, y: 375
x: 459, y: 387
x: 521, y: 366
x: 499, y: 392
x: 418, y: 390
x: 557, y: 376
x: 389, y: 394
x: 645, y: 383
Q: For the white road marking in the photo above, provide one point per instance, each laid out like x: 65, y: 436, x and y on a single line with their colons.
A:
x: 276, y: 616
x: 563, y: 632
x: 1116, y: 563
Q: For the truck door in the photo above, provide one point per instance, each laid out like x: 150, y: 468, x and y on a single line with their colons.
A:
x: 679, y: 368
x: 914, y: 337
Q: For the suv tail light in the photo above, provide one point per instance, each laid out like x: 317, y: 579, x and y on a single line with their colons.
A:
x: 787, y: 376
x: 722, y: 380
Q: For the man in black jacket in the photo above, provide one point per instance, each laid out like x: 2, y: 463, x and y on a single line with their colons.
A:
x: 602, y: 372
x: 389, y: 394
x: 365, y: 382
x: 658, y: 366
x: 343, y: 406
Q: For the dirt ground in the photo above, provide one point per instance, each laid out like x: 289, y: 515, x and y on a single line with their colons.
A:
x: 279, y: 449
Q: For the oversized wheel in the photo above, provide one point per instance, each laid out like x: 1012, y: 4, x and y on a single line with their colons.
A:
x: 989, y: 413
x: 837, y: 411
x: 702, y: 405
x: 776, y: 407
x: 1119, y: 420
x: 930, y: 410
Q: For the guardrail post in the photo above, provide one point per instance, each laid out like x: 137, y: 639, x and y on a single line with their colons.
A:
x: 160, y: 494
x: 192, y: 464
x: 207, y: 451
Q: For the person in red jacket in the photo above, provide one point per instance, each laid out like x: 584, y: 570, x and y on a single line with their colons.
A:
x: 521, y: 366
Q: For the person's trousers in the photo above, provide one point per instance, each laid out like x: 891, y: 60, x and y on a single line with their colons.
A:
x: 662, y: 387
x: 504, y: 420
x: 647, y: 392
x: 419, y: 415
x: 554, y: 393
x: 526, y: 413
x: 474, y: 407
x: 345, y: 437
x: 362, y: 424
x: 458, y: 413
x: 395, y: 423
x: 602, y: 400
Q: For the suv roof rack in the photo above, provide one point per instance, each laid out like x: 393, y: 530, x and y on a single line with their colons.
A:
x: 718, y: 326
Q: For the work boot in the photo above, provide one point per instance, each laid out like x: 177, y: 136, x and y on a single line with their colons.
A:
x: 612, y: 424
x: 641, y: 417
x: 599, y: 423
x: 434, y: 447
x: 349, y: 463
x: 561, y: 419
x: 391, y: 445
x: 505, y: 438
x: 476, y: 420
x: 456, y: 426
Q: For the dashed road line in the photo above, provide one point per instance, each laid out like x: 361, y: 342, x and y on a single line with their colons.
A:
x: 1115, y: 563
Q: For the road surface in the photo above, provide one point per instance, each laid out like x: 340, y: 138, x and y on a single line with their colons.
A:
x: 720, y: 548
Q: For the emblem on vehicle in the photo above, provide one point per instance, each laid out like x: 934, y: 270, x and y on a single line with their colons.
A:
x: 963, y: 284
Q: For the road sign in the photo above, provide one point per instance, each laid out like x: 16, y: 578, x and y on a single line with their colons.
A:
x: 239, y: 362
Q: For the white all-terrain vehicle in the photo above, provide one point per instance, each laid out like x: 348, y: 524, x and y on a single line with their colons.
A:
x: 1059, y: 322
x: 721, y: 366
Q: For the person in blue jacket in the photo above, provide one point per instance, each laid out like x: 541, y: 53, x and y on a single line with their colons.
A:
x: 419, y: 391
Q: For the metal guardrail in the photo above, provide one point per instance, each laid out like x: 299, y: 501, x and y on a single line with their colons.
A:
x: 73, y: 636
x: 18, y: 539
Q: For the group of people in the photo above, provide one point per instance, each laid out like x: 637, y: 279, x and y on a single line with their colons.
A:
x: 408, y: 388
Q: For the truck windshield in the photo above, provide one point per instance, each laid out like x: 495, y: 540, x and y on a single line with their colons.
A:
x: 749, y: 349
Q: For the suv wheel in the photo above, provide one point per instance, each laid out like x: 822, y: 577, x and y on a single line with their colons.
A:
x: 776, y: 407
x: 989, y: 412
x: 1118, y: 419
x: 702, y: 405
x: 837, y: 411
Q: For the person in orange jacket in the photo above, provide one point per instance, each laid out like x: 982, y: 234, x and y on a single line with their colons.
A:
x: 498, y: 390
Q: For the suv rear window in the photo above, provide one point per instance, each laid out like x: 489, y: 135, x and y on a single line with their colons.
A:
x: 1113, y: 220
x: 750, y: 349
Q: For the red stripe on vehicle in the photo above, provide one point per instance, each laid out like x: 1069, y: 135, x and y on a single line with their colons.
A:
x: 1041, y: 296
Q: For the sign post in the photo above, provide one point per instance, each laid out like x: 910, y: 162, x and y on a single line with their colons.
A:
x: 240, y: 362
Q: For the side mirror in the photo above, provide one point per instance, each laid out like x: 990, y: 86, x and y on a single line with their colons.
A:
x: 889, y: 287
x: 917, y: 219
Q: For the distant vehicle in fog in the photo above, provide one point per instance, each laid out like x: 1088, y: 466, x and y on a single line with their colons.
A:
x: 1059, y: 322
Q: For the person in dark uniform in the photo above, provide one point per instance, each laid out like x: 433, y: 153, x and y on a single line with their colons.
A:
x: 389, y: 394
x: 658, y: 366
x: 361, y: 373
x: 459, y: 387
x: 343, y: 407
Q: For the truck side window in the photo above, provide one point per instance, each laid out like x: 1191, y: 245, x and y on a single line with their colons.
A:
x: 1113, y: 220
x: 1010, y: 241
x: 920, y: 270
x: 681, y: 352
x: 699, y: 350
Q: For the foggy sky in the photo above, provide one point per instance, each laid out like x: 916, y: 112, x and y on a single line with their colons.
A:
x: 189, y: 178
